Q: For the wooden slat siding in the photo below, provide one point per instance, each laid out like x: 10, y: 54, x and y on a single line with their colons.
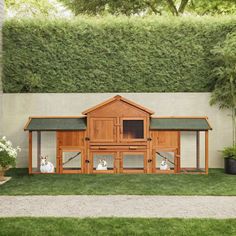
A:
x: 164, y: 139
x: 117, y: 98
x: 30, y: 153
x: 118, y: 109
x: 72, y: 138
x: 206, y: 151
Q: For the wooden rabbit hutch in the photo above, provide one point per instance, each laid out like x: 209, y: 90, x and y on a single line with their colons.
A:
x: 120, y: 133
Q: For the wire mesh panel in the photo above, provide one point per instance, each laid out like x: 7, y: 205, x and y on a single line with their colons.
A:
x: 103, y: 161
x: 165, y: 160
x: 133, y: 161
x: 71, y: 160
x: 44, y: 152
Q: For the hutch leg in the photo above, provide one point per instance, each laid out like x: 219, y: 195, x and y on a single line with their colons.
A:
x: 30, y: 152
x: 197, y: 149
x: 206, y: 151
x: 38, y: 149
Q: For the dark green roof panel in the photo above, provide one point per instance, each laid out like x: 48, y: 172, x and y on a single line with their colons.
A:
x: 179, y: 124
x: 52, y: 124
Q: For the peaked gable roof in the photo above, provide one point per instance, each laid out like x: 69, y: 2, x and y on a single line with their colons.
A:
x: 117, y: 98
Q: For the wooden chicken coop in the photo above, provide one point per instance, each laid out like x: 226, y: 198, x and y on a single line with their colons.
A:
x: 116, y: 136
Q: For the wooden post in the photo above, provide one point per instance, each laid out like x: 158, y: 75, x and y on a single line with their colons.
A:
x: 30, y: 152
x: 206, y: 151
x: 178, y: 153
x: 197, y: 149
x: 58, y: 152
x: 38, y: 149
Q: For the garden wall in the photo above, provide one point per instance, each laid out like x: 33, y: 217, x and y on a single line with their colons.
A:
x: 16, y: 108
x: 112, y: 54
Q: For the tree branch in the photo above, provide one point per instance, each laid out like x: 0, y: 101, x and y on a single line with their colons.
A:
x: 172, y: 7
x: 182, y: 6
x: 153, y: 8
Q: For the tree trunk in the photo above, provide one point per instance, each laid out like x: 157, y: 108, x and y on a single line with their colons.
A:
x: 172, y: 7
x: 2, y: 173
x: 182, y: 6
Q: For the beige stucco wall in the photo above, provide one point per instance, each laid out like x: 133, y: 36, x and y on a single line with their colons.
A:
x: 16, y: 108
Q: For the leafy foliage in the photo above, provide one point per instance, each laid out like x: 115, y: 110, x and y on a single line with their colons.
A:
x: 32, y: 8
x: 7, y: 153
x: 111, y: 54
x: 229, y: 152
x: 224, y: 73
x: 145, y: 7
x: 213, y: 7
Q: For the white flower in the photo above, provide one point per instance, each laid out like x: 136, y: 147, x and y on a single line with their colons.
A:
x: 4, y: 138
x: 6, y: 145
x: 9, y: 143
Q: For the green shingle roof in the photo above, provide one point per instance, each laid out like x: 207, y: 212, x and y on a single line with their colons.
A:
x: 52, y: 124
x: 200, y: 124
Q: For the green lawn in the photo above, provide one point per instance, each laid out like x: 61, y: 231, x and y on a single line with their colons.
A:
x: 116, y: 226
x: 216, y: 183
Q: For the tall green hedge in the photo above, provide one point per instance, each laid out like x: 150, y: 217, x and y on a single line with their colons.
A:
x: 111, y: 54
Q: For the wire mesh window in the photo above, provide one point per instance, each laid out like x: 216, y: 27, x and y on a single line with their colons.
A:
x: 103, y: 161
x: 133, y: 129
x: 133, y: 161
x: 71, y: 160
x: 165, y: 160
x: 44, y: 152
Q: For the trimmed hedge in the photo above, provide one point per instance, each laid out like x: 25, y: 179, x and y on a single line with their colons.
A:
x: 111, y: 54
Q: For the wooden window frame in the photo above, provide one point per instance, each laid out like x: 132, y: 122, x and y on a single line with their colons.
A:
x: 137, y: 139
x: 130, y: 171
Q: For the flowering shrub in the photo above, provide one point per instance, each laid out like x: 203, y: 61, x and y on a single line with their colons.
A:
x: 8, y: 153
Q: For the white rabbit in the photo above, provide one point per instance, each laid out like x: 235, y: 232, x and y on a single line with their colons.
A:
x: 46, y: 166
x: 164, y: 165
x: 102, y: 165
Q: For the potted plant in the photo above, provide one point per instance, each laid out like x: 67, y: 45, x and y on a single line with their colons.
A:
x: 8, y: 156
x: 229, y: 154
x: 224, y: 91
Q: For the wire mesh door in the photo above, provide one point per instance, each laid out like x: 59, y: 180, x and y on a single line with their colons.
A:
x: 71, y: 161
x: 165, y: 161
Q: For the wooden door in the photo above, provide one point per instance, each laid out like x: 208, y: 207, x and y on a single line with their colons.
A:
x: 168, y: 155
x: 71, y: 160
x: 103, y: 130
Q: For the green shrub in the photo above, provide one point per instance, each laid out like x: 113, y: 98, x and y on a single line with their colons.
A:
x: 111, y: 54
x: 229, y: 152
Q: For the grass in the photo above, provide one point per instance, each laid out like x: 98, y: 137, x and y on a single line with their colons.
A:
x: 116, y: 226
x: 216, y: 183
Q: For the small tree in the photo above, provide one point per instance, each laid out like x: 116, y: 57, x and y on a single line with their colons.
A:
x: 224, y: 93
